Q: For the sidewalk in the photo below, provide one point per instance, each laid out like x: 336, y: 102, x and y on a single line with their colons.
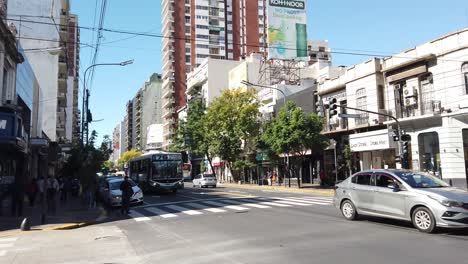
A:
x: 71, y: 214
x: 306, y: 188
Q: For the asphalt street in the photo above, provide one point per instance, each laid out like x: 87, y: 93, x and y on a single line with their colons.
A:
x: 230, y: 225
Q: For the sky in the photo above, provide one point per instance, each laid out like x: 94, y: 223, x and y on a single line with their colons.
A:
x: 374, y: 27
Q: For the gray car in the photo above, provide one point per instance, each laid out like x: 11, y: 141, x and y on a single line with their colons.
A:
x: 425, y: 200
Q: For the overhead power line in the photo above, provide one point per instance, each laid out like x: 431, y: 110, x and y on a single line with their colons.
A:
x: 334, y: 51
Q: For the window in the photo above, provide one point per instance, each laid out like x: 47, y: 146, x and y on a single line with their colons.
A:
x: 427, y: 94
x: 429, y: 152
x: 383, y: 180
x: 380, y: 95
x: 363, y: 179
x: 465, y: 75
x: 361, y: 103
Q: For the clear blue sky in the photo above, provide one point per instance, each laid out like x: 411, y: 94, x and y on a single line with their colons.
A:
x: 360, y: 25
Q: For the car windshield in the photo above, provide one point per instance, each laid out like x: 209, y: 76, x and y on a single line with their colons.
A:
x: 167, y: 169
x: 420, y: 180
x: 115, y: 185
x: 208, y: 176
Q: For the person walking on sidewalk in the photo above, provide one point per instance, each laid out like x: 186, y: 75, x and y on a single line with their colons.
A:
x: 127, y: 192
x: 52, y: 190
x: 32, y: 192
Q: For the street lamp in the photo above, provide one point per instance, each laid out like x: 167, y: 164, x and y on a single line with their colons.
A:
x: 84, y: 107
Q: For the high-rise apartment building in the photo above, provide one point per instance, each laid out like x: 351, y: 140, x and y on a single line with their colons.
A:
x: 73, y: 51
x: 44, y: 25
x: 198, y: 29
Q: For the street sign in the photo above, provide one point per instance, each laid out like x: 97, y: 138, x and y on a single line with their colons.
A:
x: 349, y: 115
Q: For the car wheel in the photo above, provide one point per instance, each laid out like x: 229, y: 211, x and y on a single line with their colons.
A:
x: 423, y: 220
x: 348, y: 210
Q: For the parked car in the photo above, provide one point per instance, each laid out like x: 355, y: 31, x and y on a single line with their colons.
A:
x: 204, y: 180
x: 110, y: 193
x: 423, y: 199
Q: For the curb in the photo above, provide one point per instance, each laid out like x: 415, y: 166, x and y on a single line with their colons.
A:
x: 101, y: 219
x: 280, y: 189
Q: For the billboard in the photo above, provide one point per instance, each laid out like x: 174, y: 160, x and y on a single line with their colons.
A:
x: 287, y: 30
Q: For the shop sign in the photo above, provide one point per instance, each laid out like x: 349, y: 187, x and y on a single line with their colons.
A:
x: 375, y: 140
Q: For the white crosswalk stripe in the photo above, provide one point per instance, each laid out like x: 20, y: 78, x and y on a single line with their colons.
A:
x: 325, y: 199
x: 138, y: 217
x: 300, y: 201
x: 206, y: 208
x: 233, y: 207
x: 160, y: 212
x: 5, y: 244
x: 224, y: 205
x: 246, y: 204
x: 183, y: 210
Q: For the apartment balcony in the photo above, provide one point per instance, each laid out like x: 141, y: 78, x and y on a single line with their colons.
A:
x: 169, y: 122
x: 167, y: 112
x: 168, y: 102
x: 62, y: 95
x: 63, y: 62
x: 168, y: 74
x: 168, y: 132
x: 168, y: 64
x: 168, y: 92
x: 168, y: 81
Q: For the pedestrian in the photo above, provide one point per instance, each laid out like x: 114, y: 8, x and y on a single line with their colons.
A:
x: 32, y: 191
x: 273, y: 177
x: 269, y: 178
x: 127, y: 192
x: 40, y: 188
x: 322, y: 177
x: 52, y: 190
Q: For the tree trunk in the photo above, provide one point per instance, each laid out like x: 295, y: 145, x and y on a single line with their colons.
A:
x: 211, y: 163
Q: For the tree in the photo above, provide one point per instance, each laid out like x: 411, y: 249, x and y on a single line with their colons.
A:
x: 295, y: 133
x: 232, y: 126
x: 127, y: 156
x: 106, y: 147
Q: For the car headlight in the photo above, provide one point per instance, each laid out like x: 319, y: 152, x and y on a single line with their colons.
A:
x: 448, y: 203
x: 117, y: 197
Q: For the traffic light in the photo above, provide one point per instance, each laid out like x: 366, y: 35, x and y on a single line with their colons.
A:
x: 89, y: 116
x: 405, y: 138
x: 405, y: 146
x: 318, y: 108
x: 332, y: 108
x: 405, y: 160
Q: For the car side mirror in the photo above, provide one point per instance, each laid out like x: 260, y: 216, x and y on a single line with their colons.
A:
x: 394, y: 187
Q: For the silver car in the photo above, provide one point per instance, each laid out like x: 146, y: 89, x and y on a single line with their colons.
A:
x: 110, y: 193
x: 425, y: 200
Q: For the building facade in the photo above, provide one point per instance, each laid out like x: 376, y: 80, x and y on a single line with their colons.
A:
x: 426, y: 89
x: 51, y: 62
x: 227, y: 29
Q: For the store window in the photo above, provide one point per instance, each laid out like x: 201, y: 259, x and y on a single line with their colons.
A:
x: 427, y: 94
x: 429, y: 152
x: 465, y: 75
x: 361, y: 103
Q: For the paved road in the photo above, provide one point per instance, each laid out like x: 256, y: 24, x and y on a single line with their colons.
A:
x: 228, y: 225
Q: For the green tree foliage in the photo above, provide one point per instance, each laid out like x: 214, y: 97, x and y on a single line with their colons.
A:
x: 127, y: 156
x: 106, y: 147
x: 232, y: 126
x: 294, y: 132
x: 347, y: 155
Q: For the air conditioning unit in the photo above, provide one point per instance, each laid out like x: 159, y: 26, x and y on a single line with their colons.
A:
x: 409, y: 92
x: 410, y: 101
x: 437, y: 107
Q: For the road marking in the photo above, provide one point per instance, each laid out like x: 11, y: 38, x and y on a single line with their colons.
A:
x: 291, y: 202
x: 9, y: 239
x: 233, y: 207
x: 204, y: 207
x: 246, y: 204
x: 319, y: 202
x: 276, y: 204
x: 300, y: 201
x: 2, y: 253
x: 316, y: 199
x: 184, y: 210
x: 138, y: 217
x: 159, y: 212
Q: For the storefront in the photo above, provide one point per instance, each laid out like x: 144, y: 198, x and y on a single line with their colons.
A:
x: 375, y: 150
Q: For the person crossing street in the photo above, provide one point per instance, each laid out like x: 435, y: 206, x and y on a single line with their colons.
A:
x: 127, y: 192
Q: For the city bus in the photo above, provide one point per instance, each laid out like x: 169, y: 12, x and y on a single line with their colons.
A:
x: 157, y: 171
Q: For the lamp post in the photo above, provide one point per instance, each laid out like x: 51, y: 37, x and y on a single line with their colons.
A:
x: 84, y: 107
x: 284, y: 104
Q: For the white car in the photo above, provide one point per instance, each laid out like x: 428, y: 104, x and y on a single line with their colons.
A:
x: 204, y: 180
x: 110, y: 193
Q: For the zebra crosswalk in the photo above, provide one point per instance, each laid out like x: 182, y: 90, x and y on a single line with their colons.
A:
x: 195, y: 208
x: 6, y: 244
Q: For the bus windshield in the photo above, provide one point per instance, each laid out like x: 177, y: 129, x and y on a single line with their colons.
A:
x: 165, y: 169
